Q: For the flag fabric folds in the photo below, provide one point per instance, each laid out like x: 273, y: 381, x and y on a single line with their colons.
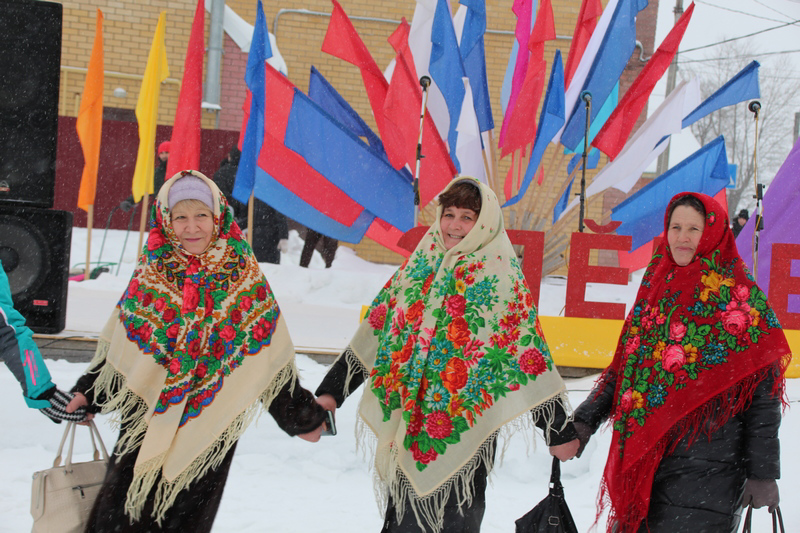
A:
x: 642, y: 214
x: 90, y: 119
x: 525, y: 12
x: 550, y: 121
x: 743, y: 86
x: 251, y: 136
x: 473, y: 54
x: 613, y: 54
x: 155, y: 72
x: 584, y: 26
x: 186, y: 132
x: 612, y: 137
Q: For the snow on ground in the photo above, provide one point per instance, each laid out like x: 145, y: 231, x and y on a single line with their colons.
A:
x: 287, y: 485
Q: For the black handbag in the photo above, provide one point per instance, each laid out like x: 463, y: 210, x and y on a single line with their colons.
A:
x: 777, y: 520
x: 550, y: 515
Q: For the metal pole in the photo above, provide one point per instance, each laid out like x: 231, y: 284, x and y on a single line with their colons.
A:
x: 214, y: 54
x: 425, y: 82
x: 586, y: 96
x: 663, y: 159
x: 755, y: 108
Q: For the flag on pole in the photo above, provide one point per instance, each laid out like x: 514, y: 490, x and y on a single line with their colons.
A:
x: 706, y: 171
x: 471, y: 44
x: 251, y: 137
x: 524, y: 10
x: 612, y: 56
x: 584, y: 26
x: 184, y: 151
x: 155, y: 72
x: 612, y: 137
x: 90, y: 119
x: 550, y: 121
x: 743, y: 86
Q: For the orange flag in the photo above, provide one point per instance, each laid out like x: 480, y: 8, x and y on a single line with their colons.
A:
x: 90, y: 119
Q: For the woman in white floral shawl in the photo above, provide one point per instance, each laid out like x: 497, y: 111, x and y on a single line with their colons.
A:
x: 453, y: 355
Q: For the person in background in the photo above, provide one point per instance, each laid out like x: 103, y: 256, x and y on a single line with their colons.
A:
x: 22, y: 357
x: 271, y: 229
x: 195, y: 348
x: 694, y: 391
x: 739, y: 222
x: 452, y: 354
x: 328, y: 249
x: 158, y: 176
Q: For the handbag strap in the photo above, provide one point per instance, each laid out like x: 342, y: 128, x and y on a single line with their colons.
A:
x: 556, y: 489
x: 93, y: 432
x: 777, y: 520
x: 70, y: 426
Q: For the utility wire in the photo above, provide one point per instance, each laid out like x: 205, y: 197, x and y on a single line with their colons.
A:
x: 764, y: 54
x: 740, y: 37
x: 744, y: 12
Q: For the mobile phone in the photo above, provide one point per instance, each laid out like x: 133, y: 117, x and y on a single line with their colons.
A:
x: 330, y: 421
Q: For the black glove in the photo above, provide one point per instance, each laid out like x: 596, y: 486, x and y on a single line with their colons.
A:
x: 584, y: 434
x: 760, y: 493
x: 127, y: 204
x: 58, y: 408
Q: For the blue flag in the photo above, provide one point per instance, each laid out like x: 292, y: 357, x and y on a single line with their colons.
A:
x: 550, y: 121
x: 254, y: 77
x: 269, y: 190
x: 474, y: 56
x: 642, y: 214
x: 561, y: 205
x: 447, y: 70
x: 348, y: 163
x: 602, y: 115
x: 609, y: 63
x: 741, y: 87
x: 591, y: 160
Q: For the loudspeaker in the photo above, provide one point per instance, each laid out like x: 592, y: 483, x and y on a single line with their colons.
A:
x: 34, y: 249
x: 30, y: 61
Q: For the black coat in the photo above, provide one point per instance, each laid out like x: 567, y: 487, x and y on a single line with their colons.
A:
x: 699, y: 487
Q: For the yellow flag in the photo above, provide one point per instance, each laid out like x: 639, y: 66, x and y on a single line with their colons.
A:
x: 90, y: 119
x: 147, y: 111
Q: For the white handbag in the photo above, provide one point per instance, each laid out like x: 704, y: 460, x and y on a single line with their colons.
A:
x: 62, y: 497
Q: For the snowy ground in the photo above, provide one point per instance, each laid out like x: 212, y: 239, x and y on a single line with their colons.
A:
x: 284, y: 484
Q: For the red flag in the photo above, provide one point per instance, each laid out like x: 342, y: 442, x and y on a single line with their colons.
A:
x: 90, y: 119
x: 584, y: 27
x: 394, y: 120
x: 614, y: 133
x: 185, y: 143
x: 387, y: 235
x: 522, y: 123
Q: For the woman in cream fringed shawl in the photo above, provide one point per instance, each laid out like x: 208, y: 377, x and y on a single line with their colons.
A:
x: 195, y: 348
x: 454, y: 357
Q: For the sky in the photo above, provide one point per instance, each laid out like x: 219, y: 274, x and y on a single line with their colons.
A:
x: 714, y: 21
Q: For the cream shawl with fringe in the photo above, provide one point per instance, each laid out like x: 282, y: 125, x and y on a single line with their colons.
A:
x: 454, y: 355
x: 195, y: 346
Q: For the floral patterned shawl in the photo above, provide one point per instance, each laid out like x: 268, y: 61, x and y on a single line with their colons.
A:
x: 195, y: 344
x: 454, y: 352
x: 697, y: 341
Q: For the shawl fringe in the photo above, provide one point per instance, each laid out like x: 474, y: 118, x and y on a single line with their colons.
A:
x: 429, y: 509
x: 131, y: 410
x: 705, y: 420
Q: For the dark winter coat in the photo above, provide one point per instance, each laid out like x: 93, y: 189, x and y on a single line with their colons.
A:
x: 194, y: 509
x: 698, y: 488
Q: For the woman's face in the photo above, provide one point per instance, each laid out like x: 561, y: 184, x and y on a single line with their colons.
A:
x: 686, y: 227
x: 455, y: 224
x: 193, y: 225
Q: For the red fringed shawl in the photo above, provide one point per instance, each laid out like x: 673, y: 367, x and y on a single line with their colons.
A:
x: 695, y: 345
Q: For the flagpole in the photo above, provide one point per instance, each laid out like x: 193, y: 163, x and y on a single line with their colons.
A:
x: 143, y: 221
x: 425, y: 82
x: 586, y: 96
x: 89, y: 224
x: 755, y: 107
x: 493, y: 158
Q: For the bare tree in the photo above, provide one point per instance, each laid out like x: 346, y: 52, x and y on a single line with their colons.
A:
x: 780, y: 97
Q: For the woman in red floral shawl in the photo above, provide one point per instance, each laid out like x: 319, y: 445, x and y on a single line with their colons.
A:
x: 695, y: 389
x: 195, y: 348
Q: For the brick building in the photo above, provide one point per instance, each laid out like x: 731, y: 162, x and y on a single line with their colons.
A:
x: 299, y: 28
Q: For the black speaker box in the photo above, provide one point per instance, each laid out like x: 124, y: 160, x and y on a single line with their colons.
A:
x: 30, y: 61
x: 34, y: 249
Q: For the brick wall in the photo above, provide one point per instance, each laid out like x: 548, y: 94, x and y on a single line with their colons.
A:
x: 129, y: 28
